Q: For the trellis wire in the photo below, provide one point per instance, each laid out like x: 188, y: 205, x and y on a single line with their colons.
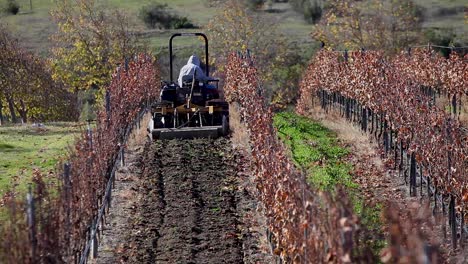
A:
x: 92, y: 243
x: 351, y: 109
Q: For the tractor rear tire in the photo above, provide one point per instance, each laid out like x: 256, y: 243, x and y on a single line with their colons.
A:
x: 225, y: 126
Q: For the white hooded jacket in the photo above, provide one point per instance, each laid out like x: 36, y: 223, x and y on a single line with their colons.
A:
x: 193, y: 64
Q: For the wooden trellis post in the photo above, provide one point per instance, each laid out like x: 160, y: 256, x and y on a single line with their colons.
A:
x: 31, y: 223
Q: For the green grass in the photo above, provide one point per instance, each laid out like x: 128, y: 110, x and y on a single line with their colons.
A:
x: 24, y: 148
x: 317, y: 150
x: 35, y: 28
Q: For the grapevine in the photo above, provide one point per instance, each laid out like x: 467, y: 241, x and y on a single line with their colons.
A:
x: 280, y: 186
x: 391, y: 89
x: 309, y: 226
x: 66, y: 206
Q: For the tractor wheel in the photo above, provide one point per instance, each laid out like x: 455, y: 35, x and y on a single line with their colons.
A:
x: 157, y: 120
x: 225, y: 126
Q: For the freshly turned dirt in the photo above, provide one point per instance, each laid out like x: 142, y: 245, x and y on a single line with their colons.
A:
x: 186, y: 211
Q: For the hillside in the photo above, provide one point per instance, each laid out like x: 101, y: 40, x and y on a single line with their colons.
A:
x: 35, y: 28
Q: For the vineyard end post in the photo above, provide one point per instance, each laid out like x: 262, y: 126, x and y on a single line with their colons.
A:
x: 31, y: 222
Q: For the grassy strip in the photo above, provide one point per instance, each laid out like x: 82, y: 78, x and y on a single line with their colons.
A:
x: 316, y: 150
x: 24, y: 148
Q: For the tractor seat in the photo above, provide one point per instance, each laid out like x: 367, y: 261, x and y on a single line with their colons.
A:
x: 187, y: 81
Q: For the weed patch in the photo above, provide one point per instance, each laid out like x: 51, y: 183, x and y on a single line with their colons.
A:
x: 316, y: 150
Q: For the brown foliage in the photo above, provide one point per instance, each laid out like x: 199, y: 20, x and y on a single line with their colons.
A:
x: 27, y: 87
x: 390, y: 88
x: 309, y: 227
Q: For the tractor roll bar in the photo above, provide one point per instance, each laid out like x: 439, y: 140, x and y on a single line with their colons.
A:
x: 207, y: 67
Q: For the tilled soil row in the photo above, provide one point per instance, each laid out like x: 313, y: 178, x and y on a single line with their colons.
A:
x: 187, y: 210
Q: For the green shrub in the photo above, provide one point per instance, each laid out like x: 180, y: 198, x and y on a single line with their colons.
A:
x: 255, y: 4
x: 155, y: 14
x: 160, y: 15
x: 311, y: 9
x: 12, y: 7
x: 444, y: 37
x: 182, y: 22
x: 312, y: 12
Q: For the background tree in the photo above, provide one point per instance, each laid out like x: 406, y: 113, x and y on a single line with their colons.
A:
x: 237, y: 28
x: 373, y: 24
x: 90, y: 43
x: 27, y: 89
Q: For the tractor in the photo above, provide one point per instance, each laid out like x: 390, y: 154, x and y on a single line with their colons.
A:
x: 191, y: 110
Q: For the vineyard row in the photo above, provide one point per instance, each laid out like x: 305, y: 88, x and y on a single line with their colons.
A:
x: 386, y: 99
x: 308, y: 226
x: 64, y: 210
x: 385, y: 88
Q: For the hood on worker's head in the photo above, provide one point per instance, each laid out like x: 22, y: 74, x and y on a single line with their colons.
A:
x: 194, y: 60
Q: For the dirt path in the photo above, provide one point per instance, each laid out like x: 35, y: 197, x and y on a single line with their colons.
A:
x: 186, y: 206
x: 183, y: 202
x: 124, y: 196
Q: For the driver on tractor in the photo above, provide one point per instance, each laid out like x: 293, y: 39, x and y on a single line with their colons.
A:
x: 187, y: 71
